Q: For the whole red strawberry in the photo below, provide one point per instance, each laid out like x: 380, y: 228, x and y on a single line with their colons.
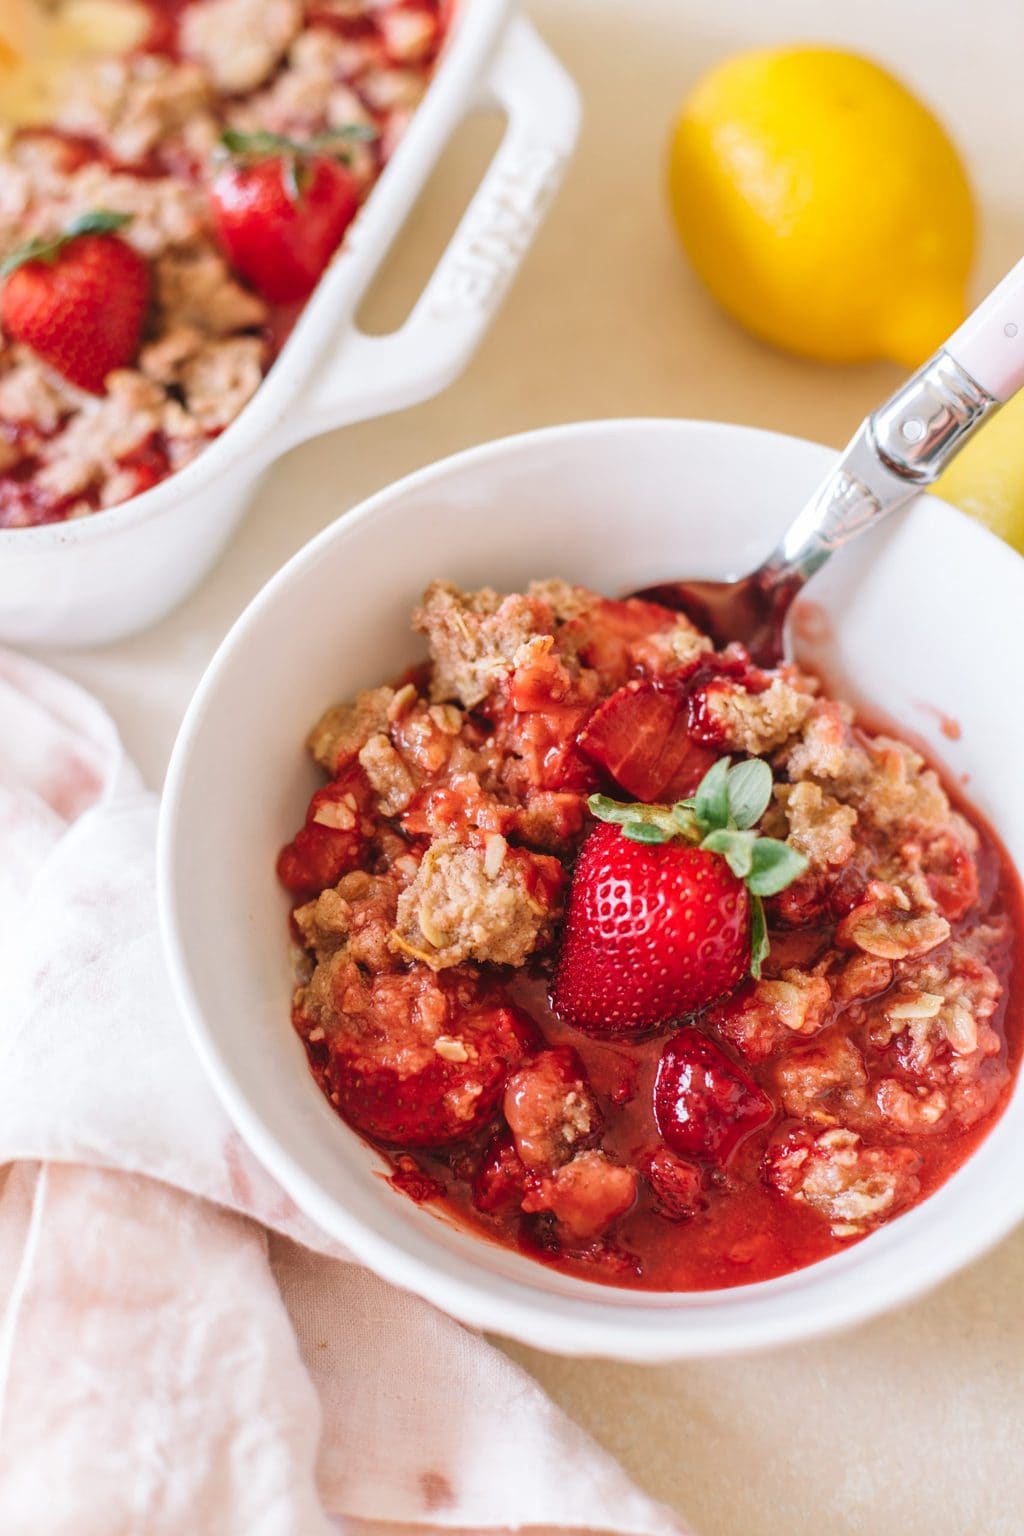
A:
x: 664, y: 914
x: 280, y: 210
x: 653, y: 932
x: 79, y: 300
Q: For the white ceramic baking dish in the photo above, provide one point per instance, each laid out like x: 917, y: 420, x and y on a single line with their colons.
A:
x: 98, y: 578
x: 910, y: 609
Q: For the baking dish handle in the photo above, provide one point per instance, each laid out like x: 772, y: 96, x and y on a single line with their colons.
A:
x: 372, y: 375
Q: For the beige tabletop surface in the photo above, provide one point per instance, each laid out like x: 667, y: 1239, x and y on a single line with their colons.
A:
x: 914, y: 1423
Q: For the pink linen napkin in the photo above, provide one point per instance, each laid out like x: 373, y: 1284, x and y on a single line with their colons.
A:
x: 180, y: 1349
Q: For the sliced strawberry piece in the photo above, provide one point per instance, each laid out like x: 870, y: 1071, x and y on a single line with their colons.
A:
x: 148, y: 464
x: 546, y: 744
x: 639, y: 736
x: 718, y: 673
x: 443, y: 1100
x: 537, y: 715
x: 607, y: 631
x: 676, y: 1184
x: 952, y: 876
x: 704, y: 1104
x: 500, y: 1180
x: 332, y: 840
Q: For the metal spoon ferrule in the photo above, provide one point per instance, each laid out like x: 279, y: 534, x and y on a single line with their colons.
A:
x: 896, y: 452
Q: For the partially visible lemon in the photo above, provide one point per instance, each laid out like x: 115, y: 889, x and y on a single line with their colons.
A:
x: 986, y: 479
x: 823, y: 205
x: 41, y: 44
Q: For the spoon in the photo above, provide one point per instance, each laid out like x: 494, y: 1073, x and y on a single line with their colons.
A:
x: 898, y: 451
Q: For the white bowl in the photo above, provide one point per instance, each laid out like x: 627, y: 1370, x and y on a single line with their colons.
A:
x: 97, y: 578
x: 615, y: 505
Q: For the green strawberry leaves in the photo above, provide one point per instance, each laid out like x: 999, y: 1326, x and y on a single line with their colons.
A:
x: 732, y: 797
x: 736, y: 848
x: 711, y: 802
x: 332, y: 142
x: 294, y: 154
x: 98, y: 221
x: 773, y: 866
x: 766, y: 865
x: 750, y: 791
x: 729, y: 800
x: 721, y: 816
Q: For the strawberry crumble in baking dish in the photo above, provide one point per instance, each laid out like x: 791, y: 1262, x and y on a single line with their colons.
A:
x: 161, y: 229
x: 654, y: 965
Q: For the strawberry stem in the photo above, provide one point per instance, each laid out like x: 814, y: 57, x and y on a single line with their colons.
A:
x: 295, y: 155
x: 759, y: 941
x: 99, y: 221
x: 263, y: 145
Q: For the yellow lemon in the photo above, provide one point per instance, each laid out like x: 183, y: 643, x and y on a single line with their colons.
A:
x: 823, y: 205
x: 987, y: 478
x: 40, y: 45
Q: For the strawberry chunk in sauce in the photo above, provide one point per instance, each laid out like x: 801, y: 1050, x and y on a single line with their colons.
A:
x: 640, y: 737
x: 412, y: 1059
x: 333, y: 838
x: 705, y: 1104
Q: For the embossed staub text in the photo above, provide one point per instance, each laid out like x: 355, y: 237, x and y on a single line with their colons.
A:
x: 497, y: 231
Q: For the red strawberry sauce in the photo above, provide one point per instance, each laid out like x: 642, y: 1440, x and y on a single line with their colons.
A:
x: 767, y: 1131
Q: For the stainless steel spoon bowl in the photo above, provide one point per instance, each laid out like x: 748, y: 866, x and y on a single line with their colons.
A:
x: 898, y: 451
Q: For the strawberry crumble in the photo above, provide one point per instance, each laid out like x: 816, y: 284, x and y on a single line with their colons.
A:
x: 650, y: 963
x: 159, y: 236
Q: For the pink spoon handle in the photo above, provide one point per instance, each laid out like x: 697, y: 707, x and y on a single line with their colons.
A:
x: 990, y: 343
